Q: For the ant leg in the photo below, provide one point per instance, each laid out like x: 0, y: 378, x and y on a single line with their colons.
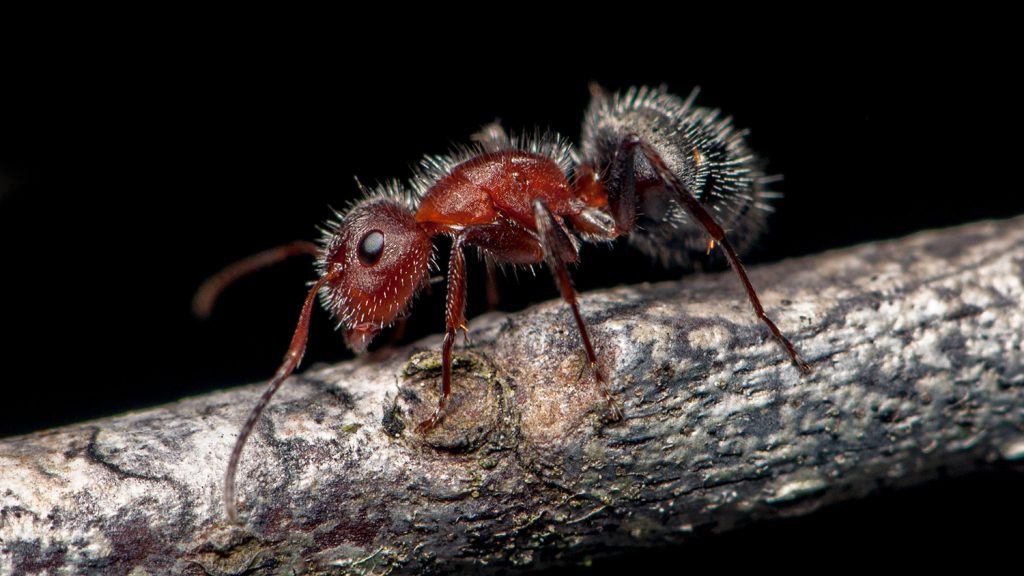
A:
x: 207, y: 294
x: 291, y: 361
x: 455, y: 319
x: 622, y: 187
x: 493, y: 296
x: 559, y: 251
x: 697, y: 211
x: 599, y: 219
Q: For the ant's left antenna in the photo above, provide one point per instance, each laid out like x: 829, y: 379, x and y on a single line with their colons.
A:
x: 210, y: 290
x: 291, y: 361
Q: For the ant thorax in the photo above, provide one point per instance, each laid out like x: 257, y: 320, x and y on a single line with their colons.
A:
x: 498, y: 177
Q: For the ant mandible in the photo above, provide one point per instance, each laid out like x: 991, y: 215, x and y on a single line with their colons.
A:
x: 672, y: 175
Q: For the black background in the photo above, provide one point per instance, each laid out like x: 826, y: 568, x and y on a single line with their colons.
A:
x: 132, y: 168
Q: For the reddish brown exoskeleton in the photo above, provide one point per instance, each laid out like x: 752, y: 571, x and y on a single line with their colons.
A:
x: 671, y: 175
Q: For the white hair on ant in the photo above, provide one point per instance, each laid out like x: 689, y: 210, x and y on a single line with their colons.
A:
x: 492, y: 138
x: 707, y: 152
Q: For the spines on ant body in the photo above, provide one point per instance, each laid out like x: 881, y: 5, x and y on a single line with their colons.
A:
x: 492, y: 138
x: 652, y: 166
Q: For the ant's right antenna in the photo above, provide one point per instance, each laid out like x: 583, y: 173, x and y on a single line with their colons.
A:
x: 291, y: 361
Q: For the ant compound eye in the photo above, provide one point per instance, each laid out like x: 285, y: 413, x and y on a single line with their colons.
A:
x: 371, y: 247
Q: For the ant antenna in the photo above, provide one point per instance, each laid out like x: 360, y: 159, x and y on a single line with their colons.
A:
x: 212, y: 287
x: 291, y: 361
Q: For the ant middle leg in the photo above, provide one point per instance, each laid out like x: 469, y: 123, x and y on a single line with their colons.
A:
x: 558, y: 252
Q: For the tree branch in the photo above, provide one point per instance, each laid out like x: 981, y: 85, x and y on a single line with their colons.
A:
x: 916, y: 346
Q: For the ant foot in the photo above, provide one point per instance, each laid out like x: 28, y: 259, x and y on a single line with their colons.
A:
x: 803, y: 366
x: 430, y: 423
x: 614, y: 409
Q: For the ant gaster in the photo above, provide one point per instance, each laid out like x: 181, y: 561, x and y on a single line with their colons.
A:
x: 671, y: 175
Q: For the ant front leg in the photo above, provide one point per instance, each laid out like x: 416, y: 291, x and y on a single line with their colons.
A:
x: 558, y: 252
x: 455, y: 319
x: 627, y: 194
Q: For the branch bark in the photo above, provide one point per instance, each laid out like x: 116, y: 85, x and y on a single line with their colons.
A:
x: 917, y: 352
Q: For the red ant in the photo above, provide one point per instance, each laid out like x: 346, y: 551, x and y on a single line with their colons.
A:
x: 671, y: 175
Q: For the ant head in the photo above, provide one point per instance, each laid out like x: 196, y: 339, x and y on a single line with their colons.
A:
x: 378, y: 259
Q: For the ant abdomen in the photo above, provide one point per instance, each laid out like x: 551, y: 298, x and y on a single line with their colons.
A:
x: 708, y: 154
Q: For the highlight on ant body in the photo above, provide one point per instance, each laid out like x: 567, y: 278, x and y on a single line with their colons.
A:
x: 669, y: 175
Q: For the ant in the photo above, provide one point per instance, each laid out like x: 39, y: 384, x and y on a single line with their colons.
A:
x: 671, y: 175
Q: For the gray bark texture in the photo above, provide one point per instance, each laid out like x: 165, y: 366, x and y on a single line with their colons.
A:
x: 918, y: 360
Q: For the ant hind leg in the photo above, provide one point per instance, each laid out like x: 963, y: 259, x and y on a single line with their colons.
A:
x: 696, y: 210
